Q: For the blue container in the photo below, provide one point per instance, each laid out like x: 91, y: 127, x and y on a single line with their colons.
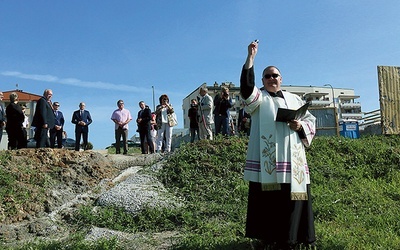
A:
x: 349, y: 129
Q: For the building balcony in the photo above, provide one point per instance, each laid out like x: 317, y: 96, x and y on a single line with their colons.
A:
x: 356, y: 116
x: 350, y: 105
x: 318, y: 103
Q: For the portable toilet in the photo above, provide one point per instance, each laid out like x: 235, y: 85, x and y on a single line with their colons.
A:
x: 349, y: 128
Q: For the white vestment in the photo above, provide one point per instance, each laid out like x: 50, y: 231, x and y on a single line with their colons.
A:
x: 276, y: 154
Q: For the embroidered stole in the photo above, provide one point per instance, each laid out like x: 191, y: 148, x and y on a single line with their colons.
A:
x: 282, y: 154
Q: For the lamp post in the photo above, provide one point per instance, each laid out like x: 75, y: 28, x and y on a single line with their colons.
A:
x: 333, y: 96
x: 154, y: 107
x: 334, y: 106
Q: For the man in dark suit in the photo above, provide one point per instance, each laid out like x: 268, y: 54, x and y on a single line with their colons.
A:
x: 44, y: 119
x: 57, y: 131
x: 144, y: 126
x: 82, y: 119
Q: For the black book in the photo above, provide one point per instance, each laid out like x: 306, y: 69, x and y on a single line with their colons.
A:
x: 286, y: 115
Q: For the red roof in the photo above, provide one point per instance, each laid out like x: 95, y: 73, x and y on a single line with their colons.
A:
x: 22, y: 96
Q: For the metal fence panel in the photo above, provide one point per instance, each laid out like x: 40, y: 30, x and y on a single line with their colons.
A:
x: 389, y: 98
x: 326, y: 121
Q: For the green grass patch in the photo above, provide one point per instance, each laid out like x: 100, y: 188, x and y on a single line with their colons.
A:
x: 355, y: 186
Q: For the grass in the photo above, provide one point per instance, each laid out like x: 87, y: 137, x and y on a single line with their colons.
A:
x: 131, y: 150
x: 354, y: 185
x: 356, y: 192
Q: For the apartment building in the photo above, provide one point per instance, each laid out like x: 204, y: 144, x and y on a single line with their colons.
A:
x: 342, y: 100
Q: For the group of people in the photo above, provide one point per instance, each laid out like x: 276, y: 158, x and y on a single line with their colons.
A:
x: 49, y: 120
x: 155, y: 128
x: 206, y: 112
x: 48, y: 123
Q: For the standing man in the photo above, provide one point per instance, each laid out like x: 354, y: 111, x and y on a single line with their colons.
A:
x: 144, y: 125
x: 43, y: 120
x: 2, y: 115
x: 82, y: 119
x: 222, y: 104
x: 206, y: 106
x: 57, y: 131
x: 121, y: 118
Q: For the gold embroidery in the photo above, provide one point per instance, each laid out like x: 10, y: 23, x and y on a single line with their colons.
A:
x: 298, y: 196
x: 269, y: 153
x: 298, y: 164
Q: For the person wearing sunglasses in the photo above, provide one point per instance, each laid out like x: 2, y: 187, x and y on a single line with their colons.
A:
x: 279, y: 212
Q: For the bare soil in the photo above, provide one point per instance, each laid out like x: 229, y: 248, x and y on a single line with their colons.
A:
x: 58, y: 182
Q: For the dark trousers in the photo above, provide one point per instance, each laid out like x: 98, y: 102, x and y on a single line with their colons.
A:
x: 118, y: 134
x: 273, y: 217
x: 24, y: 140
x: 78, y: 135
x: 16, y: 138
x: 42, y: 137
x: 221, y: 124
x: 56, y: 134
x: 145, y: 135
x: 193, y: 132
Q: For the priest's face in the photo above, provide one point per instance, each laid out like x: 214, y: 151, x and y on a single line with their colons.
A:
x: 272, y: 79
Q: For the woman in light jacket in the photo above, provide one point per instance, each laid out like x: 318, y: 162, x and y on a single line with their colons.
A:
x: 164, y: 129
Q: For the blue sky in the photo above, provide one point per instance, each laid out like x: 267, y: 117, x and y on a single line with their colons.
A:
x: 102, y: 51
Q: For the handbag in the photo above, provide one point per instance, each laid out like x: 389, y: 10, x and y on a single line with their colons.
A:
x: 172, y: 121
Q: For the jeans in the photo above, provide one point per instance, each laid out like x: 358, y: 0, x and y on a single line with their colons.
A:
x: 221, y: 121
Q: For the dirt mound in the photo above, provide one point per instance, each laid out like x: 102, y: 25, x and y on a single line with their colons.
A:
x: 43, y: 188
x: 46, y: 178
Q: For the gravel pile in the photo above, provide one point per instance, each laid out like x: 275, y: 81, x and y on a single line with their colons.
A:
x: 136, y: 192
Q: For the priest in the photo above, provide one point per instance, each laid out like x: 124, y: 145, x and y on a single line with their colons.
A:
x: 279, y: 212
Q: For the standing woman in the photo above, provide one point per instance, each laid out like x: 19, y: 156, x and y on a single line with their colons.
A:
x: 15, y: 118
x: 193, y: 117
x: 164, y: 129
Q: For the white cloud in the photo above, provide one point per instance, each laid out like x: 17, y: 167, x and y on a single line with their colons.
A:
x: 74, y: 82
